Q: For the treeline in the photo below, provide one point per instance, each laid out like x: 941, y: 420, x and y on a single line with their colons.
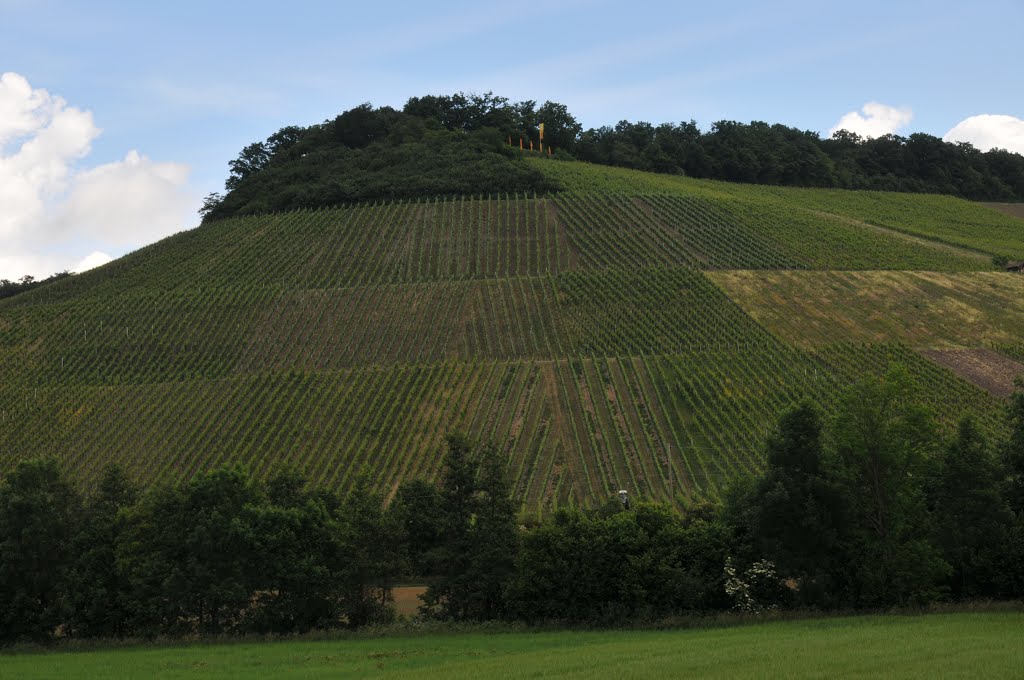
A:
x: 26, y: 283
x: 870, y: 509
x: 460, y: 145
x: 760, y: 153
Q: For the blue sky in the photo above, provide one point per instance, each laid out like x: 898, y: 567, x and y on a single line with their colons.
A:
x: 169, y: 92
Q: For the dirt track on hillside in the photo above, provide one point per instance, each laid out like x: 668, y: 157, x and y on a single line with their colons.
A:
x: 986, y: 368
x: 1011, y: 209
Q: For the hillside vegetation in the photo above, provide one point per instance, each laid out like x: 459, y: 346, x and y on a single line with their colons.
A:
x: 597, y: 336
x: 464, y: 145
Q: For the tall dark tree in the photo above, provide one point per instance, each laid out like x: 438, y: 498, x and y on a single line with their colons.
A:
x: 971, y: 517
x: 799, y: 515
x: 474, y: 558
x: 883, y: 437
x: 99, y: 599
x: 561, y: 129
x: 373, y: 556
x: 418, y: 510
x: 1013, y: 452
x: 450, y: 559
x: 39, y: 513
x: 1012, y: 575
x: 493, y: 538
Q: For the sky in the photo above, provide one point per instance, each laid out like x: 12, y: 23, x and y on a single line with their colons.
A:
x: 117, y: 118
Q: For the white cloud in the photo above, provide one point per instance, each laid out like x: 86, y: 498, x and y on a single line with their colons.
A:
x: 132, y: 201
x: 877, y: 120
x: 989, y: 131
x: 53, y: 211
x: 22, y: 109
x: 15, y: 265
x: 91, y: 261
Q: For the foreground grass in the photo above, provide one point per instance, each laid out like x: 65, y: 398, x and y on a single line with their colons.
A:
x: 944, y: 645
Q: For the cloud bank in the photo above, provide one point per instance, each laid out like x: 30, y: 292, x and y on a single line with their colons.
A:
x: 56, y: 215
x: 989, y: 131
x: 874, y: 120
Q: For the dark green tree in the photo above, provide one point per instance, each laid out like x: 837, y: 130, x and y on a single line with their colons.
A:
x: 299, y: 540
x: 647, y: 562
x: 971, y: 517
x: 883, y: 437
x: 252, y: 159
x: 493, y: 538
x: 1011, y: 575
x: 188, y: 553
x: 560, y: 127
x: 799, y: 516
x: 99, y: 599
x: 39, y: 513
x: 1013, y: 453
x: 418, y: 510
x: 450, y: 559
x: 373, y: 556
x: 474, y: 557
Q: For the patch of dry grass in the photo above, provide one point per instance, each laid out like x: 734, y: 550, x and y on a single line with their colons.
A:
x: 926, y: 310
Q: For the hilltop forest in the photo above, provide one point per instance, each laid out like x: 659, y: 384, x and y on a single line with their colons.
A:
x: 465, y: 144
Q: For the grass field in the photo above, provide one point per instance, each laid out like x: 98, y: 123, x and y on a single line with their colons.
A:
x: 934, y: 646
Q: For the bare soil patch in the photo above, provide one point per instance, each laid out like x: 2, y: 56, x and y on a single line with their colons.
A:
x: 986, y: 368
x: 407, y: 599
x: 1011, y: 209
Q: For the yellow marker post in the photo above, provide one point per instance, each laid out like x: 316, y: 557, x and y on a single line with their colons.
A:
x: 542, y: 137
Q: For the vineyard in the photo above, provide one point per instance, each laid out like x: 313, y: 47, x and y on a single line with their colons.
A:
x: 927, y: 310
x: 637, y: 332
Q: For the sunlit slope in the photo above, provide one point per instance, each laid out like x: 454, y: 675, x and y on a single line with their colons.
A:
x: 941, y: 219
x: 580, y: 333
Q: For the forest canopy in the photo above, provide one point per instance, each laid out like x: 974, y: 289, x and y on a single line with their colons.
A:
x: 468, y: 144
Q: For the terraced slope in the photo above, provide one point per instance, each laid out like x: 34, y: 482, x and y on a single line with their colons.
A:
x: 926, y: 310
x: 587, y: 335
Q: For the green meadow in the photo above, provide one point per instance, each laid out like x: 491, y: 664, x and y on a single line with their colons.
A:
x: 963, y: 645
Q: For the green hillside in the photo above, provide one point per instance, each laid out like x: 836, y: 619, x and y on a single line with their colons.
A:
x: 601, y: 336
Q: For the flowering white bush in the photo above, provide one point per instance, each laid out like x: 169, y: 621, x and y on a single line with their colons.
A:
x: 750, y: 590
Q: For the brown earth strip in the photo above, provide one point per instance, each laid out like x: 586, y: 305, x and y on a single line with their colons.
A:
x: 407, y: 599
x: 1011, y: 209
x: 986, y: 368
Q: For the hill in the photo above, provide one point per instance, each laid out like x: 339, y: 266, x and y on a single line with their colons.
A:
x: 632, y: 331
x: 464, y: 145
